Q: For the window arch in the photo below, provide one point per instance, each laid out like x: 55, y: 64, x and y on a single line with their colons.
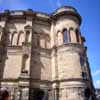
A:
x: 65, y: 36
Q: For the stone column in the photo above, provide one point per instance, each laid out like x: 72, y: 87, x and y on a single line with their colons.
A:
x: 25, y: 93
x: 59, y: 38
x: 73, y: 35
x: 55, y: 91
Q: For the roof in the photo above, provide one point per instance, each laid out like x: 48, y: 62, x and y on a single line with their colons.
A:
x: 64, y: 10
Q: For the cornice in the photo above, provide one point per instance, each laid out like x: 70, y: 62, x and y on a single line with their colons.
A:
x: 45, y: 81
x: 23, y: 14
x: 15, y: 50
x: 43, y: 52
x: 71, y: 47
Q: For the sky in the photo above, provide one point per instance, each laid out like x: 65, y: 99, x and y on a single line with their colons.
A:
x: 90, y: 12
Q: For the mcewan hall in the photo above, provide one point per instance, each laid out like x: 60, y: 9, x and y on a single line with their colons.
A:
x: 43, y: 56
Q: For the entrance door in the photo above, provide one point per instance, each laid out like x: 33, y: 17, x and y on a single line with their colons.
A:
x: 38, y: 94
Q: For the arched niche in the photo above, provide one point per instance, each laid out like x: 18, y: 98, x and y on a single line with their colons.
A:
x: 25, y: 58
x: 28, y: 33
x: 21, y: 38
x: 59, y: 38
x: 77, y: 35
x: 28, y: 27
x: 27, y: 36
x: 14, y: 38
x: 72, y: 35
x: 44, y: 40
x: 47, y: 42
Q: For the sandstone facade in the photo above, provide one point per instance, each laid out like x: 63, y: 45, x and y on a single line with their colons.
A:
x: 43, y: 57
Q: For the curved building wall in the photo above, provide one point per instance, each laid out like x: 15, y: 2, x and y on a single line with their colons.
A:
x: 43, y: 56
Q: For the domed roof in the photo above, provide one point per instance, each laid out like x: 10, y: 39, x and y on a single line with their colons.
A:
x: 65, y: 9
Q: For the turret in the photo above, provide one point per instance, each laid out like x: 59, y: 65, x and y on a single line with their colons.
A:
x: 71, y: 69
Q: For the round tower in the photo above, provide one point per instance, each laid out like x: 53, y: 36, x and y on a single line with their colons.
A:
x: 72, y: 73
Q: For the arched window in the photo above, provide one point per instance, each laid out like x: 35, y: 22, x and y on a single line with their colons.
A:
x: 77, y: 35
x: 72, y: 35
x: 14, y: 38
x: 65, y: 36
x: 21, y: 38
x: 27, y: 36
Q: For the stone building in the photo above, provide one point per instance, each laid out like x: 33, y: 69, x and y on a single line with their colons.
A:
x: 43, y: 57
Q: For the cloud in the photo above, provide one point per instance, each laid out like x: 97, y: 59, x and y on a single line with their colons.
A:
x: 59, y: 3
x: 97, y: 72
x: 51, y: 3
x: 97, y: 83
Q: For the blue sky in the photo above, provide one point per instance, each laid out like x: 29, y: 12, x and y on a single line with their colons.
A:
x: 90, y: 12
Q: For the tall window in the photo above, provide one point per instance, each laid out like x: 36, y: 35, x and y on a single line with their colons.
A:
x: 84, y: 75
x: 65, y: 36
x: 21, y: 38
x: 82, y: 61
x: 14, y: 38
x: 27, y: 36
x: 77, y: 35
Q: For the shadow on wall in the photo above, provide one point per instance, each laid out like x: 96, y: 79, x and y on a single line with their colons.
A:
x: 5, y: 41
x: 3, y: 52
x: 36, y: 66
